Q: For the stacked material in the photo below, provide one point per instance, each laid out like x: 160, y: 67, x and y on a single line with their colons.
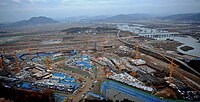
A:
x: 132, y: 81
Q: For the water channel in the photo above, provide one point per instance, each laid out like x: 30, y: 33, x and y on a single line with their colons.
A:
x: 186, y: 40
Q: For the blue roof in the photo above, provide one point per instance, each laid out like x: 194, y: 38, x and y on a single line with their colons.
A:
x: 75, y: 85
x: 34, y: 59
x: 84, y: 56
x: 69, y: 83
x: 26, y: 86
x: 58, y: 75
x: 88, y: 66
x: 197, y: 58
x: 35, y: 89
x: 42, y: 54
x: 87, y: 60
x: 74, y: 52
x: 85, y: 64
x: 79, y: 62
x: 68, y: 79
x: 63, y: 82
x: 19, y: 55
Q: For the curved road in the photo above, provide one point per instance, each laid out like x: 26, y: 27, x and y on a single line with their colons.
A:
x: 175, y: 59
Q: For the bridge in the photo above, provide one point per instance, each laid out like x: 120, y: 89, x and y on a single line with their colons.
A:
x: 159, y: 35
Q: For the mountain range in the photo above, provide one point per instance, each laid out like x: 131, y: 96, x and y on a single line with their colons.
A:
x: 190, y: 17
x: 126, y: 17
x: 195, y: 17
x: 183, y: 17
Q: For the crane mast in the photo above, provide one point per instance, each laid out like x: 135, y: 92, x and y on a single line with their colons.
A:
x: 171, y: 67
x: 136, y: 54
x: 47, y: 63
x: 1, y: 64
x: 16, y: 62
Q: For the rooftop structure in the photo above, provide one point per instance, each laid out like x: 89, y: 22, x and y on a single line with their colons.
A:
x: 84, y: 57
x: 85, y: 64
x: 58, y: 76
x: 69, y: 84
x: 128, y: 79
x: 138, y: 61
x: 68, y: 79
x: 26, y: 86
x: 74, y: 52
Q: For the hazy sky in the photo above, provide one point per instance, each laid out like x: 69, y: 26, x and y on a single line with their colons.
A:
x: 12, y: 10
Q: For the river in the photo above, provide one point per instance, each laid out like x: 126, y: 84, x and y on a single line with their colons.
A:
x: 186, y: 40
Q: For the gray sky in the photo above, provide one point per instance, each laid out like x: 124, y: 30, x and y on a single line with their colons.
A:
x: 13, y: 10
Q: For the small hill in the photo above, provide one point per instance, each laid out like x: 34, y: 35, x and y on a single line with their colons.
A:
x: 35, y: 21
x: 183, y: 17
x: 31, y: 22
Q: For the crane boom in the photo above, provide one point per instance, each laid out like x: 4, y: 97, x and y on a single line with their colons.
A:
x: 169, y: 60
x: 171, y: 70
x: 172, y: 64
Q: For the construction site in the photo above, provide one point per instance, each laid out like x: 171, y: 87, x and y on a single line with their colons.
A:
x: 96, y: 62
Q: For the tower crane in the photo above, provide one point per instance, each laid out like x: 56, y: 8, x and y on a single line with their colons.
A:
x: 136, y: 54
x: 171, y: 67
x: 120, y: 67
x: 47, y: 60
x: 16, y: 62
x: 29, y: 51
x: 1, y: 64
x: 47, y: 63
